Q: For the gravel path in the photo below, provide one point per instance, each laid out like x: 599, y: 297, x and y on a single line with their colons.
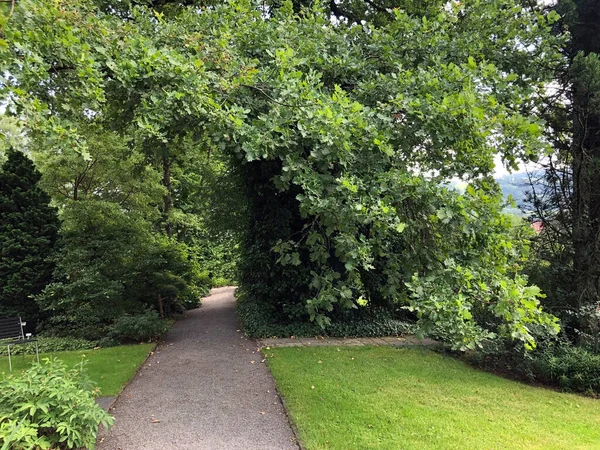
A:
x: 204, y: 388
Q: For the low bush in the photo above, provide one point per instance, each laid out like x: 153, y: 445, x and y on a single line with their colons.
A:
x: 147, y: 326
x: 49, y: 407
x: 49, y: 345
x: 560, y: 364
x: 192, y: 295
x: 257, y: 322
x: 572, y: 368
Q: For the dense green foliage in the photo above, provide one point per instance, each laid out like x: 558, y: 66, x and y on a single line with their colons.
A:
x: 572, y: 368
x: 362, y: 157
x: 49, y: 406
x: 121, y: 251
x: 354, y: 398
x: 147, y: 327
x: 338, y: 149
x: 28, y: 232
x: 110, y: 264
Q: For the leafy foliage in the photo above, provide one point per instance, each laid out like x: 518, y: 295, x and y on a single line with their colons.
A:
x: 573, y: 368
x: 147, y: 326
x: 19, y: 435
x: 28, y: 232
x: 343, y: 144
x: 279, y: 289
x: 111, y: 263
x: 364, y: 164
x: 49, y: 406
x: 211, y: 213
x: 108, y: 171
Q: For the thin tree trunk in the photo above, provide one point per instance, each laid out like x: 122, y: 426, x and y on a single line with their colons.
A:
x: 168, y: 198
x: 161, y: 308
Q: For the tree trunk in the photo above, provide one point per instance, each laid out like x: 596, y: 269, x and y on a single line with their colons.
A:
x: 161, y: 309
x: 585, y: 76
x: 168, y: 198
x: 586, y: 204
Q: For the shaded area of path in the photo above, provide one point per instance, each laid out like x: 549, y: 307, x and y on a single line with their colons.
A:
x: 205, y: 387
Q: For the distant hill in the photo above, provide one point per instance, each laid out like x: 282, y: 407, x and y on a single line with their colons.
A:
x: 516, y: 184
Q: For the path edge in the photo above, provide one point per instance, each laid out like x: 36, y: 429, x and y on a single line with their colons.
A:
x: 293, y: 426
x: 118, y: 395
x: 137, y: 371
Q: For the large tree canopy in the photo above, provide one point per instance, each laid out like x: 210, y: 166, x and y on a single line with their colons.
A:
x: 360, y: 125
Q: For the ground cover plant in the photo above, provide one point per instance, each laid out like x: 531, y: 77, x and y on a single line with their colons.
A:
x: 385, y: 398
x: 260, y: 322
x: 109, y: 369
x: 49, y: 345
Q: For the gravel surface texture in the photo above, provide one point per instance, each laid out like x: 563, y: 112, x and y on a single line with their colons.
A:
x: 205, y: 387
x: 105, y: 402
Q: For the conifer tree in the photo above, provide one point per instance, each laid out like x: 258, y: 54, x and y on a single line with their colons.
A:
x: 28, y: 232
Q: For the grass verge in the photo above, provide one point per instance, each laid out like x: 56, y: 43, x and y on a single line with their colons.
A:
x: 110, y: 368
x: 387, y: 398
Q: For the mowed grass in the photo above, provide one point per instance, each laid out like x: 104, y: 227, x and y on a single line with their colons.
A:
x: 109, y: 368
x: 386, y: 398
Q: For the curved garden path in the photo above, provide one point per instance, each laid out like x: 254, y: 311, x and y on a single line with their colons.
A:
x: 205, y: 387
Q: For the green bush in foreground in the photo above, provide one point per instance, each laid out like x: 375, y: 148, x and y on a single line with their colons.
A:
x: 49, y: 406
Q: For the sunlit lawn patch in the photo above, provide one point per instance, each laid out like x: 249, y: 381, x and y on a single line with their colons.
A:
x: 109, y: 368
x: 386, y: 398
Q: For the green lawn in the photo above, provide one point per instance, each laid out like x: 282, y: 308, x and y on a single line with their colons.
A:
x: 386, y: 398
x: 110, y: 368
